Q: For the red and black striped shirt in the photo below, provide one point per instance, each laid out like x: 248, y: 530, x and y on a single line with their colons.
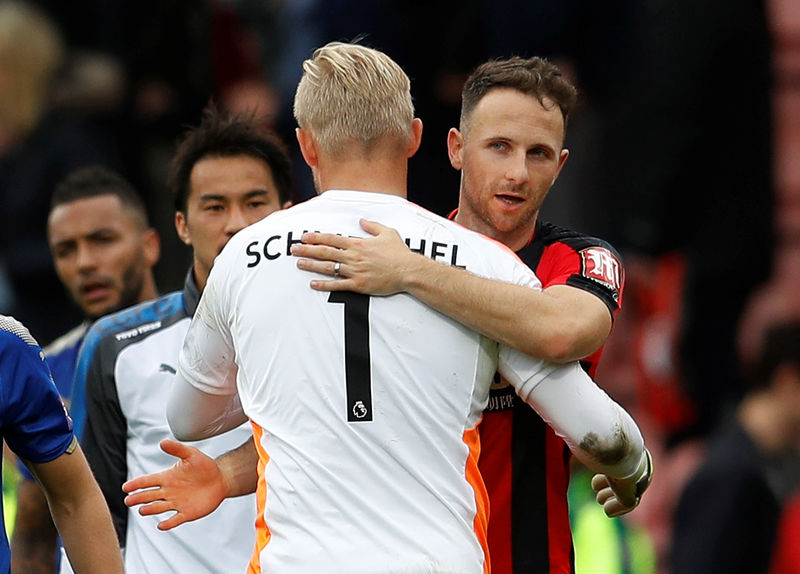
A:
x: 524, y: 464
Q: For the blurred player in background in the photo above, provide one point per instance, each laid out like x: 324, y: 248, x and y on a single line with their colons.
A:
x: 228, y: 172
x: 104, y: 252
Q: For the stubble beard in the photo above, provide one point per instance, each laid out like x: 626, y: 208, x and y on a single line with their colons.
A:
x: 132, y: 280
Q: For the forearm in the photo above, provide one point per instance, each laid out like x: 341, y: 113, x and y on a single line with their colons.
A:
x: 563, y: 323
x: 239, y: 469
x: 98, y: 553
x: 563, y: 326
x: 599, y: 432
x: 79, y: 509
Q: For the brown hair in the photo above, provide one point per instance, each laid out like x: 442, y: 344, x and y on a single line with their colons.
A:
x: 532, y: 76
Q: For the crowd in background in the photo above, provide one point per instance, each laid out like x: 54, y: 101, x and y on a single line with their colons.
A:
x: 678, y: 157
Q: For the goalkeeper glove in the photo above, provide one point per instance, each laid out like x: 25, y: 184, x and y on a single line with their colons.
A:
x: 619, y: 496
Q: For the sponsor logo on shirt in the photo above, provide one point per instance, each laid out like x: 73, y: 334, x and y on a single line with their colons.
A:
x: 141, y: 330
x: 502, y: 396
x: 602, y: 266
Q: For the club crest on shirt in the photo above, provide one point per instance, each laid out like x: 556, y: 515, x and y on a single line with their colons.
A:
x: 602, y: 266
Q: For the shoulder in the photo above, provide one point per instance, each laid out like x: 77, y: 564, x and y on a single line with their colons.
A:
x: 136, y: 322
x: 67, y: 341
x: 549, y: 234
x: 14, y: 336
x: 16, y: 342
x: 21, y: 357
x: 561, y: 255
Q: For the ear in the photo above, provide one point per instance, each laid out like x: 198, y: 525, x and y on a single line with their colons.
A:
x: 416, y: 137
x: 562, y: 159
x: 455, y: 144
x: 286, y: 204
x: 152, y: 246
x: 182, y: 227
x: 308, y: 147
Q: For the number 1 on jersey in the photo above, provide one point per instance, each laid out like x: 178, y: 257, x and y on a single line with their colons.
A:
x: 358, y: 378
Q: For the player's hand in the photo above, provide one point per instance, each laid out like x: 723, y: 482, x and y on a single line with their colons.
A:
x: 376, y: 265
x: 193, y: 488
x: 619, y: 496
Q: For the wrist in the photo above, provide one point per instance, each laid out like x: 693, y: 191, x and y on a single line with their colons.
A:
x: 412, y: 275
x: 646, y: 477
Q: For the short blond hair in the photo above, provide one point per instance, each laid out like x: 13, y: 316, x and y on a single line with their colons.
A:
x: 350, y: 94
x: 31, y: 52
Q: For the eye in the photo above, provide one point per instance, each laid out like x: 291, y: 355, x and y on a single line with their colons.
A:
x: 498, y: 146
x: 63, y: 252
x: 256, y: 203
x: 542, y: 152
x: 213, y: 207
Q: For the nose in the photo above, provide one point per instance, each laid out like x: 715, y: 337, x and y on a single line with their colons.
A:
x: 236, y: 221
x: 86, y: 258
x: 517, y: 168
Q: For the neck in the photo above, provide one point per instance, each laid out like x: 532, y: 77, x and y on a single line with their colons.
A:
x: 149, y: 290
x: 200, y: 275
x: 380, y: 173
x: 763, y: 418
x: 514, y: 238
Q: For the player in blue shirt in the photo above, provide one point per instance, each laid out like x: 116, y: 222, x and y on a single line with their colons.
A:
x: 35, y: 425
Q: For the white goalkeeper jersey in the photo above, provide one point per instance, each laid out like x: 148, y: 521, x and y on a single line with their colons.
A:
x: 364, y: 408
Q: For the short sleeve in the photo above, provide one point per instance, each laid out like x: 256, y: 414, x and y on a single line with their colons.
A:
x: 34, y: 421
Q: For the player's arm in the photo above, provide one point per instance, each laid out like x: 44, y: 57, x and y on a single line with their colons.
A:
x: 598, y: 431
x: 80, y: 513
x: 203, y: 400
x: 562, y: 323
x: 33, y: 545
x: 196, y: 485
x: 38, y: 430
x: 194, y: 414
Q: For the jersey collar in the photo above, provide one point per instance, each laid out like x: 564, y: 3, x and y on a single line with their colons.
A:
x: 191, y: 294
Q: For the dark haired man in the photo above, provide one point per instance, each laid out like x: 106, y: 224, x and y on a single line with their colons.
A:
x: 103, y: 251
x: 728, y: 514
x: 226, y: 174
